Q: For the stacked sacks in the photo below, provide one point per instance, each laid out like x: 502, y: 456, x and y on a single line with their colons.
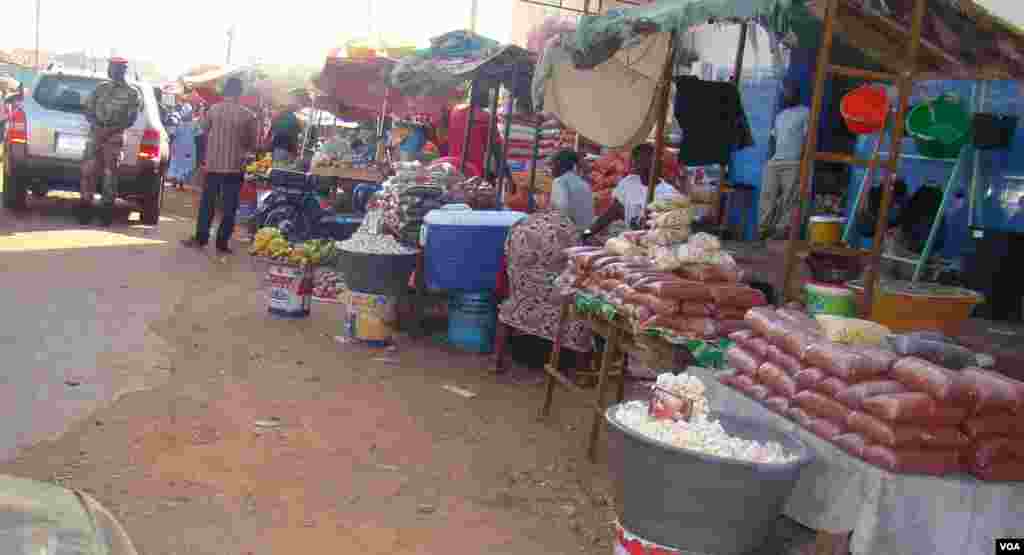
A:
x: 995, y: 406
x: 653, y: 298
x: 903, y: 414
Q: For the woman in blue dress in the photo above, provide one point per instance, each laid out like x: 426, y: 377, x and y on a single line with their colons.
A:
x: 183, y: 150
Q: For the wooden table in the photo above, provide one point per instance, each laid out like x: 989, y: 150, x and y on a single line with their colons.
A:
x: 620, y: 340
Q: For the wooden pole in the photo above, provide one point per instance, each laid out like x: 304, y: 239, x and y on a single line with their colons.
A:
x: 895, y: 148
x: 811, y: 146
x: 665, y: 88
x: 492, y: 128
x: 469, y: 127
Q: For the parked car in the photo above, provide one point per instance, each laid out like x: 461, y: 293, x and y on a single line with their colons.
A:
x: 46, y: 137
x: 40, y: 517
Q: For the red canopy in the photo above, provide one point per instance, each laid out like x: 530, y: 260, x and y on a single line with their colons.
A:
x: 361, y: 85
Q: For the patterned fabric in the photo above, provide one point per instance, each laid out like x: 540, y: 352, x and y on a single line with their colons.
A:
x: 535, y: 254
x: 113, y: 105
x: 231, y: 132
x: 100, y: 163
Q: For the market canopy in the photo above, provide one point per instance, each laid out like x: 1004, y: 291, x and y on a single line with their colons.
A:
x: 457, y: 57
x: 358, y: 89
x: 211, y: 75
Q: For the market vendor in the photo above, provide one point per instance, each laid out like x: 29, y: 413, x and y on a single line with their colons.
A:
x: 570, y: 194
x: 630, y: 195
x: 285, y: 131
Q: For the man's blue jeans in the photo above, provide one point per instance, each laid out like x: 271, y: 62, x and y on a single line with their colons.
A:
x: 228, y: 186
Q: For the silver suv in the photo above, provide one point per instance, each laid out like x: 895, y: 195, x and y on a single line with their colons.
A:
x: 45, y: 140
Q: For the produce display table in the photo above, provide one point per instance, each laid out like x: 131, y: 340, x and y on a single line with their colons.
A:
x: 620, y: 340
x: 889, y: 514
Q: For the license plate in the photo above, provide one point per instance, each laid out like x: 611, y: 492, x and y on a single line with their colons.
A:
x: 71, y: 145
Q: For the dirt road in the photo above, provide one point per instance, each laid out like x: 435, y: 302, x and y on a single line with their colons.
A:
x: 244, y: 434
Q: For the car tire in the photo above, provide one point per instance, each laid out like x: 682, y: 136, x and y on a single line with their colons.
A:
x: 152, y: 203
x: 15, y: 194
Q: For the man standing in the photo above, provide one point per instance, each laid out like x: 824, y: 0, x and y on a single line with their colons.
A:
x: 780, y: 181
x: 110, y: 109
x: 231, y: 134
x: 570, y: 194
x: 284, y: 132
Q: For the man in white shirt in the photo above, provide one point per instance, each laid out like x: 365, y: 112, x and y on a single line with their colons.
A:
x: 630, y: 196
x: 570, y: 194
x: 780, y: 180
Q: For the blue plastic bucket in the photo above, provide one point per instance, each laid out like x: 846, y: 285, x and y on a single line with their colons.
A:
x: 472, y: 321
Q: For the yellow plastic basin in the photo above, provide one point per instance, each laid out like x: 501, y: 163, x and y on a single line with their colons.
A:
x: 903, y: 306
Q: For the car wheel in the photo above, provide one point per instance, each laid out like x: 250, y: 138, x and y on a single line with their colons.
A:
x: 15, y: 195
x: 152, y: 203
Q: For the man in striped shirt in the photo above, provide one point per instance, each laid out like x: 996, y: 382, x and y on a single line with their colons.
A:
x: 231, y: 131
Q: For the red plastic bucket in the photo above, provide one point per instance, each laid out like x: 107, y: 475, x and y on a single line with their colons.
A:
x: 864, y: 109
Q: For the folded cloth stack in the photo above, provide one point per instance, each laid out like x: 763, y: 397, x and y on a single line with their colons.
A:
x: 904, y: 414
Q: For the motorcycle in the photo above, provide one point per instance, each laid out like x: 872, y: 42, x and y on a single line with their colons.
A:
x: 293, y: 207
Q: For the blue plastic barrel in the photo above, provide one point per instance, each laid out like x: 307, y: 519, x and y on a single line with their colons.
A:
x: 472, y: 321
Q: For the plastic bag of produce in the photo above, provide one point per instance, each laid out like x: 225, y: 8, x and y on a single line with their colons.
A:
x: 758, y: 392
x: 741, y: 360
x: 677, y: 289
x: 584, y: 261
x: 853, y: 444
x: 784, y: 360
x: 573, y: 252
x: 660, y: 305
x: 876, y: 360
x: 980, y: 390
x: 852, y: 331
x: 725, y: 327
x: 697, y: 309
x: 664, y: 259
x: 741, y: 336
x: 777, y: 404
x: 855, y: 395
x: 730, y: 313
x: 634, y: 279
x: 764, y: 321
x: 831, y: 386
x: 668, y: 204
x: 796, y: 342
x: 675, y: 219
x: 913, y: 408
x: 818, y: 405
x: 622, y: 247
x: 990, y: 451
x: 941, y: 352
x: 997, y: 424
x: 905, y: 435
x: 667, y: 236
x: 712, y: 273
x: 920, y: 375
x: 1004, y: 471
x: 838, y: 360
x: 737, y: 295
x: 620, y: 270
x: 936, y: 462
x: 777, y: 380
x: 697, y: 328
x: 706, y: 242
x: 825, y: 429
x: 808, y: 378
x: 798, y: 318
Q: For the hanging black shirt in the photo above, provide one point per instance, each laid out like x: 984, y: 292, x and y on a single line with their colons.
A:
x: 712, y: 119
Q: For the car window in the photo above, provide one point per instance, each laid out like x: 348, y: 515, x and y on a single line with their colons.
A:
x: 64, y: 92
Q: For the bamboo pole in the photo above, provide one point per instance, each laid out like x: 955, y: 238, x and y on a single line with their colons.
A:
x: 896, y: 146
x: 866, y: 180
x: 661, y: 113
x: 811, y: 146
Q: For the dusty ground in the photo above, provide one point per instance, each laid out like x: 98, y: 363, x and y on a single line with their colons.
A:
x: 269, y: 436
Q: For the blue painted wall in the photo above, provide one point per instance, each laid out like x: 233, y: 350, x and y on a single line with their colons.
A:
x: 991, y: 209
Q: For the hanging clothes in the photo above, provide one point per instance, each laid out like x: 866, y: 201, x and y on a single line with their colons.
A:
x: 712, y: 119
x: 183, y: 151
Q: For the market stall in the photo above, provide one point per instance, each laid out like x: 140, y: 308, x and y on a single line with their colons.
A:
x: 954, y: 443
